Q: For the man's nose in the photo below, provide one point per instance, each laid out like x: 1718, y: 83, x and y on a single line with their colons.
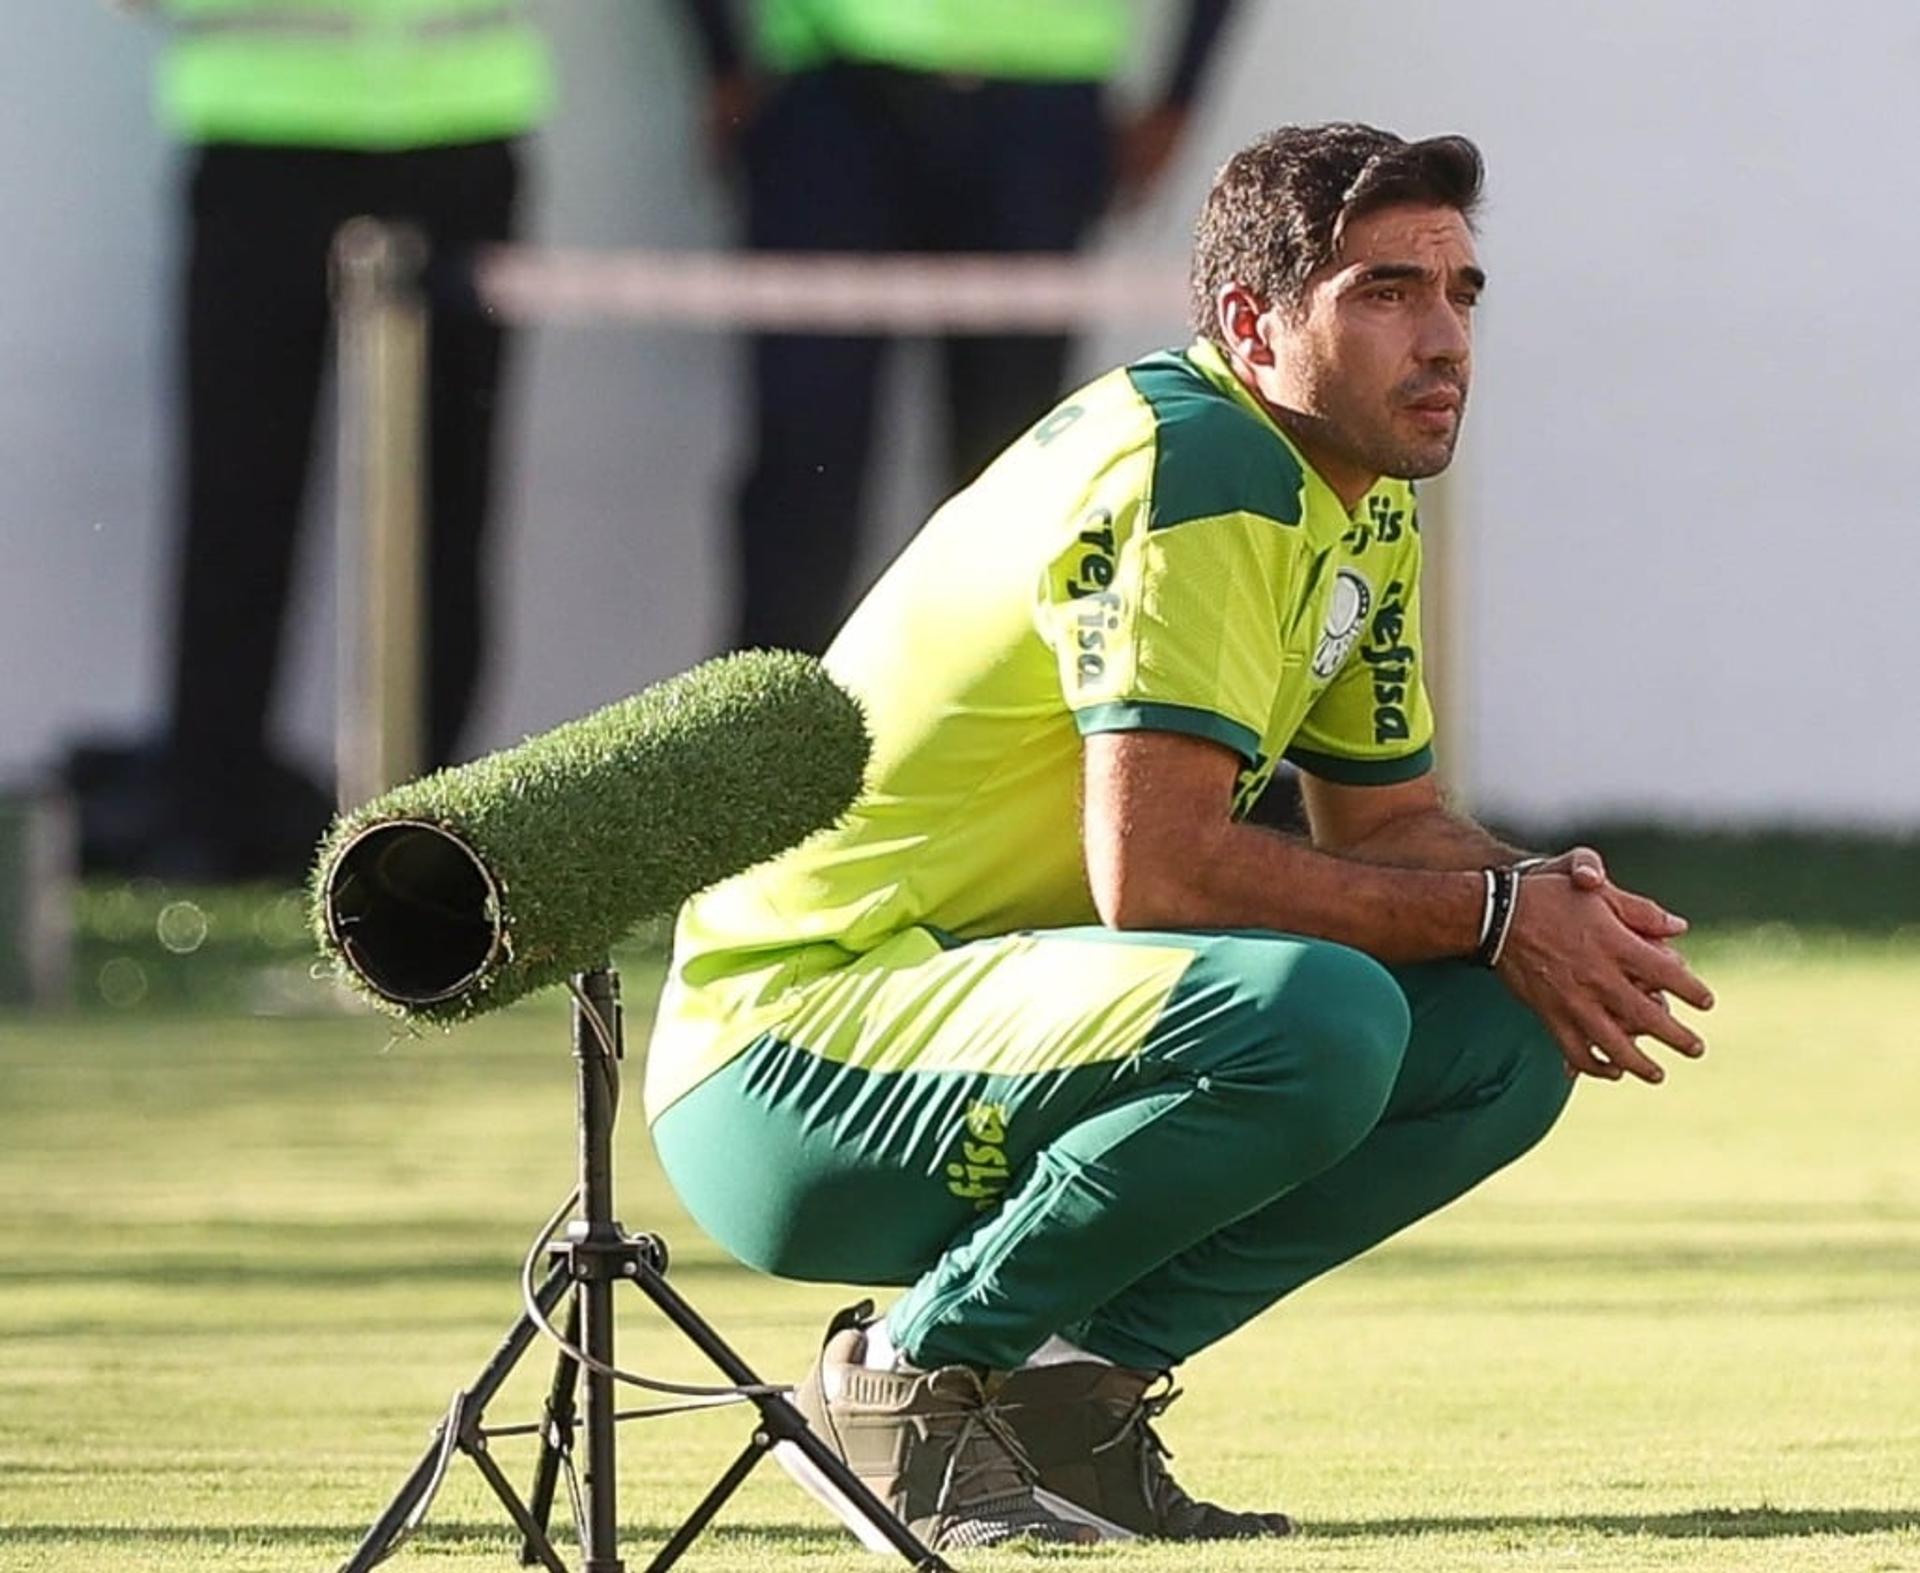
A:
x: 1444, y: 335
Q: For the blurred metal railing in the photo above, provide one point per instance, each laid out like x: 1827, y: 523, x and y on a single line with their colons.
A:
x: 828, y: 292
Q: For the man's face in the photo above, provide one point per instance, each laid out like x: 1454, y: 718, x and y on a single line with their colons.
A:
x: 1370, y: 371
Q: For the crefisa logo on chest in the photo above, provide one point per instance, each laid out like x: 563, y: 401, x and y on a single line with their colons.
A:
x: 1347, y: 612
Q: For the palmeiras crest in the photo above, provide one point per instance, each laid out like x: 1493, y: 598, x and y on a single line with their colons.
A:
x: 1346, y: 615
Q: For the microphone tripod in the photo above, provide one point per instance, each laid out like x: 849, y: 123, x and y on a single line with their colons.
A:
x: 595, y: 1255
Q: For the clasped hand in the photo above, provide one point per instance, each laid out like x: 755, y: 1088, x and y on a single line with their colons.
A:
x: 1597, y: 964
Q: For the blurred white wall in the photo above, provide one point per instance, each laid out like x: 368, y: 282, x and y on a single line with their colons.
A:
x: 1686, y: 532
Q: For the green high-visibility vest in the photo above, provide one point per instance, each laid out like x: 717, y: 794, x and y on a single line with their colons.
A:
x: 360, y: 74
x: 1039, y: 40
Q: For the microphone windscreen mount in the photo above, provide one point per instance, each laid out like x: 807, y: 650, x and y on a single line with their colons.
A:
x: 462, y: 891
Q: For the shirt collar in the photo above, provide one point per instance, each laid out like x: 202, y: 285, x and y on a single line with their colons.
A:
x: 1327, y: 517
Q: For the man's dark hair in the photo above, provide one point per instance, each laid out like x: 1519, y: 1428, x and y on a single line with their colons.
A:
x: 1276, y: 210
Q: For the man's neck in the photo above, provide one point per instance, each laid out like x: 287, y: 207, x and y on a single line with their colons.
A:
x: 1344, y: 480
x: 1310, y: 435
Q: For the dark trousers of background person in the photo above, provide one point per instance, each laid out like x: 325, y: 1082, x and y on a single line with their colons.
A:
x: 866, y: 159
x: 257, y: 341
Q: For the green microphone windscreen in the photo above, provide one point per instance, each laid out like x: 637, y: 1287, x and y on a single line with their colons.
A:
x: 462, y: 891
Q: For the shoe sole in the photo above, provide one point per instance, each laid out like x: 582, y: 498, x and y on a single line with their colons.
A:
x: 1073, y: 1513
x: 808, y: 1475
x: 812, y: 1480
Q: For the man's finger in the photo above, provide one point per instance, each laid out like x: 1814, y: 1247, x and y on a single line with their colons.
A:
x: 1582, y: 865
x: 1623, y: 1053
x: 1650, y: 1018
x: 1586, y: 868
x: 1586, y: 1029
x: 1662, y: 967
x: 1644, y: 916
x: 1575, y: 1049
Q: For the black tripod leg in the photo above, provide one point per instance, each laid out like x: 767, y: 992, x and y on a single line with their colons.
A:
x: 387, y: 1528
x: 711, y: 1503
x: 783, y: 1423
x: 409, y: 1501
x: 556, y: 1436
x: 535, y: 1537
x: 600, y: 1539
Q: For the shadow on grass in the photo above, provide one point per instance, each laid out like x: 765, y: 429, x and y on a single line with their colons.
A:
x: 1710, y: 1523
x: 1704, y: 1523
x: 1750, y: 1258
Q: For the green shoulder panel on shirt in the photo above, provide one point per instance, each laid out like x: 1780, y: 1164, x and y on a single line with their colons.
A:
x: 1211, y: 457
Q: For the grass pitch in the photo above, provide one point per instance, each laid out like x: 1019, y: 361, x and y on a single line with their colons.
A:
x: 243, y: 1264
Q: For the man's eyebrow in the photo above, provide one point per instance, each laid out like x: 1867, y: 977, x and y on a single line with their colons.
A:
x: 1395, y: 272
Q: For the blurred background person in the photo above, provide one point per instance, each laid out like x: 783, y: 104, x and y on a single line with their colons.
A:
x: 299, y: 115
x: 937, y: 125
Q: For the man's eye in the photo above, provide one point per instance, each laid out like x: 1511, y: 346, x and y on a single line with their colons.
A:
x: 1392, y: 294
x: 1466, y: 299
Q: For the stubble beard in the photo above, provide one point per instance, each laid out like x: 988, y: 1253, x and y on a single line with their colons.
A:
x: 1384, y: 451
x: 1409, y: 463
x: 1366, y: 435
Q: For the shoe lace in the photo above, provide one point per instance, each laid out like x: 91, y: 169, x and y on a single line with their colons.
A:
x: 984, y: 1445
x: 1157, y: 1484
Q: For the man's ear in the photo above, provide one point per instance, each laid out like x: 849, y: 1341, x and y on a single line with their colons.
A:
x: 1240, y: 316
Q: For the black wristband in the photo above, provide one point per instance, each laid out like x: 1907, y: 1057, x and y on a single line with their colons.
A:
x: 1503, y: 892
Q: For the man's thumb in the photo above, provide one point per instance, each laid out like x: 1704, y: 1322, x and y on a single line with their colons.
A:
x: 1587, y: 868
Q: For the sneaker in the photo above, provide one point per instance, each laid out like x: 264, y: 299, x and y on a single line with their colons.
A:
x: 933, y: 1445
x: 1088, y: 1430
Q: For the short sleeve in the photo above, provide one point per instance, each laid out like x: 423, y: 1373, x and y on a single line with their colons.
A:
x: 1169, y: 629
x: 1373, y: 724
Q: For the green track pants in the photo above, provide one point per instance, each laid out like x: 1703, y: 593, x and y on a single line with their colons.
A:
x: 1138, y: 1141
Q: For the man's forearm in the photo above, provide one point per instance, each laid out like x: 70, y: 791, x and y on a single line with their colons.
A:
x: 1246, y: 877
x: 1436, y: 839
x: 1162, y: 852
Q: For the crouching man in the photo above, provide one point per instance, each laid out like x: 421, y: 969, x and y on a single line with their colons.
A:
x: 1045, y: 1033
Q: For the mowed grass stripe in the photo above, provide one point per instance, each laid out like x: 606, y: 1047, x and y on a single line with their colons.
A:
x: 244, y: 1263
